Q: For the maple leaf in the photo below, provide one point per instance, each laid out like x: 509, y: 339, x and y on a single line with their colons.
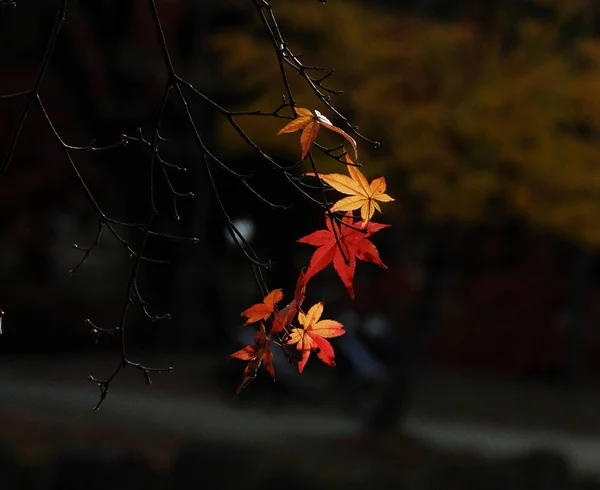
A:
x: 262, y: 311
x: 353, y: 242
x: 284, y: 317
x: 257, y: 354
x: 362, y: 195
x: 314, y: 334
x: 310, y: 124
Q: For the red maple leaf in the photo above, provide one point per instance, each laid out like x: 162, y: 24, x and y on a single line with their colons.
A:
x: 352, y: 241
x: 257, y: 354
x: 284, y: 317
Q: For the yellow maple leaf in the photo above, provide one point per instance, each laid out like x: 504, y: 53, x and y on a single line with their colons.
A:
x: 361, y: 194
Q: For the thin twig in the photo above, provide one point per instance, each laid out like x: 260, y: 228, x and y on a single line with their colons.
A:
x: 34, y: 91
x: 104, y: 384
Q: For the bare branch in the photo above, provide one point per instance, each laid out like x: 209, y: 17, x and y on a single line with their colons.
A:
x: 33, y: 93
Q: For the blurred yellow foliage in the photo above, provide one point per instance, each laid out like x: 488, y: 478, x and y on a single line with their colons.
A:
x: 469, y: 111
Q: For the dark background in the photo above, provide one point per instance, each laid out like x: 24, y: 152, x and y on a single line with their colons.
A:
x: 472, y: 362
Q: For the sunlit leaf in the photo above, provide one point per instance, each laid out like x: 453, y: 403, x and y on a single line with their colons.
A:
x: 353, y: 242
x: 313, y: 334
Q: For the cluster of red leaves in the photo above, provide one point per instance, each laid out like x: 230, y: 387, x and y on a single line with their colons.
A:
x: 344, y: 240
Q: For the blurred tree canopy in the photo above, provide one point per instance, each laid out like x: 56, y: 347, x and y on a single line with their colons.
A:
x: 485, y: 110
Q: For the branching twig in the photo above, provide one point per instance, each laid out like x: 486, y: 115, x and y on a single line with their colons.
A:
x: 286, y: 57
x: 101, y: 215
x: 145, y: 304
x: 33, y: 93
x: 87, y: 250
x: 312, y: 75
x: 104, y: 384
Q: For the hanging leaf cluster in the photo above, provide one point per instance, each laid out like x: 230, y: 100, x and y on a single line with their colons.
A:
x: 345, y: 239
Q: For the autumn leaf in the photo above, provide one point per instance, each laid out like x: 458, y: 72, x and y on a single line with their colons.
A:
x: 312, y: 336
x: 353, y: 242
x: 361, y: 194
x: 327, y: 124
x: 257, y: 354
x: 300, y: 291
x: 262, y: 311
x: 284, y: 317
x: 310, y: 124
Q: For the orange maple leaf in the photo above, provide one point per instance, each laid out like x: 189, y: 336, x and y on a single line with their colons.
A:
x: 262, y: 311
x: 312, y: 336
x: 353, y: 242
x: 257, y: 354
x: 310, y: 124
x: 362, y: 195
